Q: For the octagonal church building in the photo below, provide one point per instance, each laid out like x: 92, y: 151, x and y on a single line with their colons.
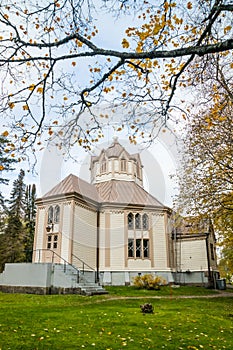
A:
x: 114, y: 227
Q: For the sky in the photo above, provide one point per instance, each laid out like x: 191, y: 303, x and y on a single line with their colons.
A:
x: 159, y: 163
x: 159, y: 160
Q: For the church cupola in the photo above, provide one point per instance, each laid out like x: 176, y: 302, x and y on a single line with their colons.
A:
x: 115, y: 163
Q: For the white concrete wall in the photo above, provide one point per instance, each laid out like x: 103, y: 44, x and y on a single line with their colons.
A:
x: 26, y: 274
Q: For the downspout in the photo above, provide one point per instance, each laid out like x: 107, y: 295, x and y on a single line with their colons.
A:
x: 97, y: 245
x: 208, y: 261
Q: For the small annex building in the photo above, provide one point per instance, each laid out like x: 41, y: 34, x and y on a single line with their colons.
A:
x: 114, y: 227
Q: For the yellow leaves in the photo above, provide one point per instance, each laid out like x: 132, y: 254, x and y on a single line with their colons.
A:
x: 50, y: 132
x: 139, y: 47
x: 1, y: 38
x: 125, y: 43
x: 189, y: 5
x: 78, y: 43
x: 31, y: 87
x: 65, y: 98
x: 40, y: 90
x: 1, y: 167
x: 231, y: 65
x: 11, y: 105
x: 5, y: 133
x: 156, y: 29
x: 227, y: 29
x: 108, y: 89
x: 5, y: 16
x: 24, y: 139
x: 25, y: 107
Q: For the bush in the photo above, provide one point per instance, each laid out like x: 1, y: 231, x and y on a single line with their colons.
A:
x: 148, y: 281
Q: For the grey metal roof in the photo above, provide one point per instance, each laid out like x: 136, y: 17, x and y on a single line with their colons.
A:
x: 115, y: 192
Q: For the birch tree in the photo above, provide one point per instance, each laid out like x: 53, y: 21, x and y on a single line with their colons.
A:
x: 56, y: 69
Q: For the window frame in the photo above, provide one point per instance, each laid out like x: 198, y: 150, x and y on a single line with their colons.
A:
x: 123, y: 165
x: 138, y: 248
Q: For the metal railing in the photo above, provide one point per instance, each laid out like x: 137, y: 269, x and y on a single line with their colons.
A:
x: 85, y: 266
x: 53, y: 255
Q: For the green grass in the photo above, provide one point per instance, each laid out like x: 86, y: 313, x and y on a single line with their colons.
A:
x: 115, y: 321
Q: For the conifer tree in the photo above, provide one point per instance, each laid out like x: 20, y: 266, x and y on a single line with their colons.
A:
x: 30, y: 217
x: 6, y: 162
x: 13, y: 239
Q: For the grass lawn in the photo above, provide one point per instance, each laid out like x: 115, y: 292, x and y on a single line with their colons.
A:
x: 115, y: 321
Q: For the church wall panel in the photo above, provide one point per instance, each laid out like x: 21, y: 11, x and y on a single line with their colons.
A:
x: 66, y: 230
x: 193, y: 255
x: 102, y: 233
x: 117, y: 241
x: 159, y: 242
x: 85, y: 235
x: 40, y: 233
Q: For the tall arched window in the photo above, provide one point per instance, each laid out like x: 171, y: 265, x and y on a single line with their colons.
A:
x: 56, y: 214
x: 103, y: 167
x: 50, y: 215
x: 123, y: 165
x: 137, y: 221
x: 130, y: 221
x: 145, y: 222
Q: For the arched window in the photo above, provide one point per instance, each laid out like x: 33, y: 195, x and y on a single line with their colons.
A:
x: 103, y: 167
x: 50, y: 215
x: 123, y: 165
x: 145, y: 222
x: 130, y: 221
x: 56, y: 214
x: 138, y: 171
x: 137, y: 221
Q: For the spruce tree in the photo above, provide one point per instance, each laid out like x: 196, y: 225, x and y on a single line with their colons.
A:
x: 6, y: 162
x: 14, y: 233
x: 6, y: 165
x: 30, y: 217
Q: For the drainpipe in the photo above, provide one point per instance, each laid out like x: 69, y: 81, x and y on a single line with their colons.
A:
x: 208, y: 260
x: 97, y: 246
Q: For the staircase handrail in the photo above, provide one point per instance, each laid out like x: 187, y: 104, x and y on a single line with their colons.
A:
x: 83, y: 262
x: 60, y: 257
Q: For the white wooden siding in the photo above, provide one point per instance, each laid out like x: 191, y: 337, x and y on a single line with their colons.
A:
x: 193, y: 255
x: 85, y: 235
x: 66, y: 231
x: 40, y: 233
x: 102, y: 240
x: 117, y: 243
x: 159, y: 242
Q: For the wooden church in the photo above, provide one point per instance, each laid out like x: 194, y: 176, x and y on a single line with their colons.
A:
x: 114, y: 227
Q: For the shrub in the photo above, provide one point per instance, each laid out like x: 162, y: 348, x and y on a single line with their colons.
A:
x: 148, y: 281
